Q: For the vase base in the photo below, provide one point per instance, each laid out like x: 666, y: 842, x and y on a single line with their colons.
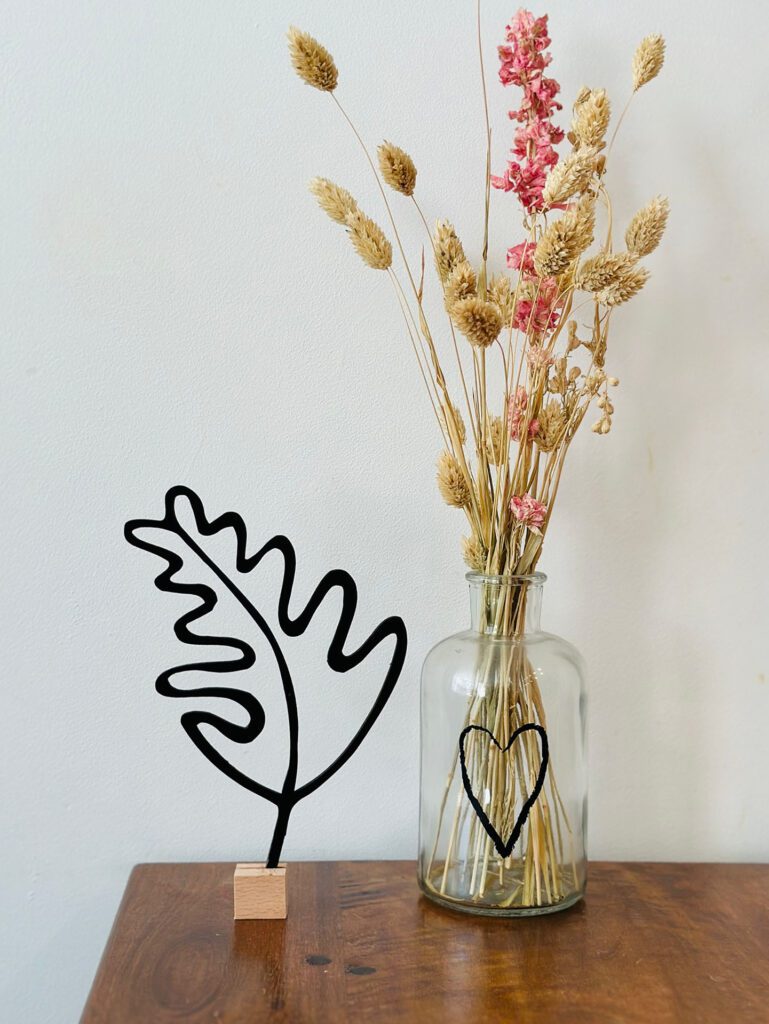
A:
x: 491, y: 910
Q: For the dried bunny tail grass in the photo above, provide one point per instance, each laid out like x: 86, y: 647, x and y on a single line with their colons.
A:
x: 500, y: 292
x: 555, y: 250
x: 582, y: 95
x: 495, y: 442
x: 474, y: 554
x: 571, y: 176
x: 460, y: 284
x: 452, y: 420
x: 397, y: 168
x: 591, y: 118
x: 333, y: 199
x: 369, y: 240
x: 584, y: 223
x: 603, y: 270
x: 312, y: 62
x: 480, y: 321
x: 551, y: 425
x: 448, y: 250
x: 451, y: 482
x: 648, y: 60
x: 647, y: 227
x: 625, y: 287
x: 565, y: 239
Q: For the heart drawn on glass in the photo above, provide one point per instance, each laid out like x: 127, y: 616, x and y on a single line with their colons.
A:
x: 504, y: 849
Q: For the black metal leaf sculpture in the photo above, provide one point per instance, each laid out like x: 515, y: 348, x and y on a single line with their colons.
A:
x: 291, y: 792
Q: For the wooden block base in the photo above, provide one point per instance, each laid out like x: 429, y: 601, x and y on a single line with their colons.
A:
x: 260, y: 892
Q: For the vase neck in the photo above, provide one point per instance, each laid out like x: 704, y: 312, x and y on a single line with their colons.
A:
x: 505, y: 606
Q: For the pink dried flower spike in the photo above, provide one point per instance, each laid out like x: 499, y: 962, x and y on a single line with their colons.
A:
x: 522, y: 63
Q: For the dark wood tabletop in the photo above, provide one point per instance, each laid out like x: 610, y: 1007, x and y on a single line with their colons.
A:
x: 651, y: 943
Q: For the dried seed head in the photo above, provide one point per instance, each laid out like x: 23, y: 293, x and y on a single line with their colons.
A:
x: 474, y: 554
x: 369, y: 240
x: 591, y: 118
x: 565, y: 239
x: 397, y: 168
x: 584, y: 223
x: 648, y: 60
x: 557, y: 382
x: 600, y: 271
x: 312, y: 62
x: 552, y: 424
x: 625, y: 287
x: 480, y: 321
x: 495, y: 442
x: 461, y: 284
x: 571, y: 176
x: 555, y: 249
x: 451, y: 482
x: 448, y: 250
x: 647, y: 227
x: 573, y: 341
x: 453, y: 422
x: 501, y: 294
x: 333, y: 199
x: 582, y: 95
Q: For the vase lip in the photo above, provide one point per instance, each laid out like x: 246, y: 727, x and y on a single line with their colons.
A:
x: 512, y: 579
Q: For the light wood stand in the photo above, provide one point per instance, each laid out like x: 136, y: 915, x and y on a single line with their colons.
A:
x: 260, y: 892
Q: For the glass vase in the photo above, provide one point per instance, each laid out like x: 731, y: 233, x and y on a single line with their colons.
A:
x: 503, y: 768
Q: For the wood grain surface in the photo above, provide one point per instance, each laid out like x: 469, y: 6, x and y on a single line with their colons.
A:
x: 651, y: 943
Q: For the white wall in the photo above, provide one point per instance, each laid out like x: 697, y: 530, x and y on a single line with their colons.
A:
x: 176, y: 310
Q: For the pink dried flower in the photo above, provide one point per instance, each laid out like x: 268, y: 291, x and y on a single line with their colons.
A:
x: 535, y: 317
x: 537, y: 310
x: 521, y: 257
x: 529, y: 512
x: 522, y: 63
x: 515, y: 408
x: 528, y: 183
x: 516, y: 411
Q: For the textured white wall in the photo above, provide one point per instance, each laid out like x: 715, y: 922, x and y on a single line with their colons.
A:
x: 176, y: 310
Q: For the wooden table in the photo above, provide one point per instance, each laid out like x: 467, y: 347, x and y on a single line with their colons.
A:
x: 652, y: 943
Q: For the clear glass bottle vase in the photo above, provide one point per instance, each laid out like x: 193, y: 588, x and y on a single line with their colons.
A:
x: 503, y: 804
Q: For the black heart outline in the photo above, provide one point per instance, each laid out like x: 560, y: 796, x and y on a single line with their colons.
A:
x: 505, y: 849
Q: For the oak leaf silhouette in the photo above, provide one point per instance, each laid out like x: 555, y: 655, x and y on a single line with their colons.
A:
x: 290, y: 792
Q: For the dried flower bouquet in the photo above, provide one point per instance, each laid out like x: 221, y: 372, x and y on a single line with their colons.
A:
x: 546, y: 326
